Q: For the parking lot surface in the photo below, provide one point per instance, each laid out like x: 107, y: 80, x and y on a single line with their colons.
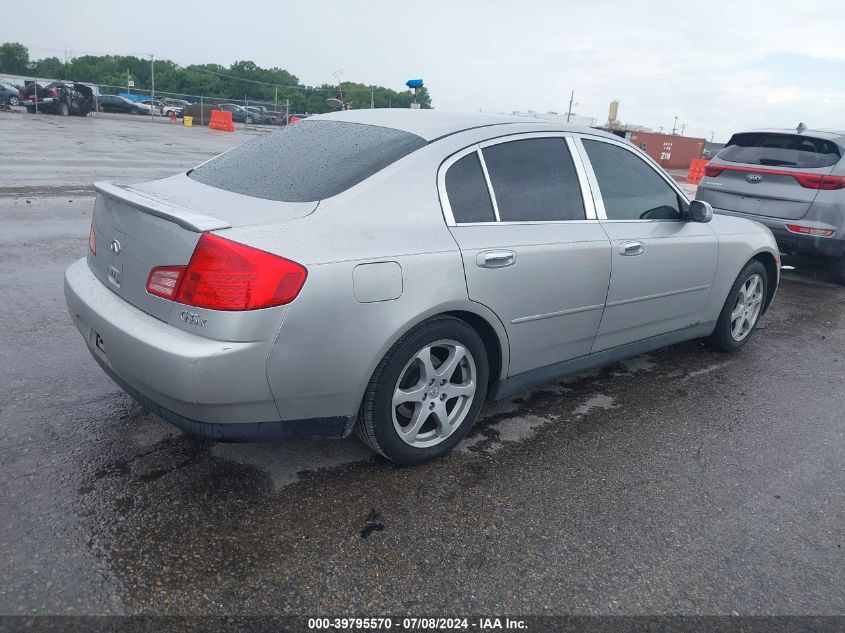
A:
x: 684, y: 481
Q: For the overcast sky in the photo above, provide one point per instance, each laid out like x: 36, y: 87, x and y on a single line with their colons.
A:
x: 718, y: 66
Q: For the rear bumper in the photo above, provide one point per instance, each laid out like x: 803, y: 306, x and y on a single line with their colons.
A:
x: 789, y: 242
x: 216, y: 389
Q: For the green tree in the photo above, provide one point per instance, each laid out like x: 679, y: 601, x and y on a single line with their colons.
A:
x: 50, y: 67
x: 13, y: 58
x: 242, y: 79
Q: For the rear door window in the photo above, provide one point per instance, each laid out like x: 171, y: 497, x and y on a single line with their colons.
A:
x: 780, y: 150
x: 534, y: 180
x: 467, y: 190
x: 630, y: 188
x: 306, y: 162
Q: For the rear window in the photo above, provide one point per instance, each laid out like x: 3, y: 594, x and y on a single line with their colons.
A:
x: 787, y: 150
x: 307, y: 161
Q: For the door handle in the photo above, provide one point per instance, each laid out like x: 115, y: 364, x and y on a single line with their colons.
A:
x: 629, y: 249
x: 495, y: 259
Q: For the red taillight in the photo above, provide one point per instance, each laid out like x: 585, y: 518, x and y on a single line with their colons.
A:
x: 808, y: 181
x: 818, y: 181
x: 713, y: 170
x: 809, y: 230
x: 164, y: 281
x: 226, y: 275
x: 92, y: 238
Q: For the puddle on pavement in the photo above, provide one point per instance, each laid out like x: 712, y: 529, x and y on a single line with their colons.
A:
x: 192, y: 525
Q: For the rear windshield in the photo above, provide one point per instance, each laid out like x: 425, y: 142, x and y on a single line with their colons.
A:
x: 788, y: 150
x: 307, y: 161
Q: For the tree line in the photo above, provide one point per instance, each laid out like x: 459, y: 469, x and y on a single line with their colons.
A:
x: 241, y: 80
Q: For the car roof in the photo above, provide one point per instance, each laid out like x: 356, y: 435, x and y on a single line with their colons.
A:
x: 434, y: 124
x: 831, y: 135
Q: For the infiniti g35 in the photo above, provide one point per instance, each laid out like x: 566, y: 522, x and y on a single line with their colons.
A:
x: 387, y: 271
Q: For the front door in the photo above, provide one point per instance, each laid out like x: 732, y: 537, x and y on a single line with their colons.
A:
x: 532, y: 250
x: 662, y: 264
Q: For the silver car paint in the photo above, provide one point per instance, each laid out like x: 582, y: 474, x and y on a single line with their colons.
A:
x: 314, y: 358
x: 775, y: 202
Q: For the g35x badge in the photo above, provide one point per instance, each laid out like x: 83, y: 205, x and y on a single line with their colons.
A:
x: 192, y: 319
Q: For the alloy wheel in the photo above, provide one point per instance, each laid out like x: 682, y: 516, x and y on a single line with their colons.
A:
x: 746, y: 311
x: 434, y: 393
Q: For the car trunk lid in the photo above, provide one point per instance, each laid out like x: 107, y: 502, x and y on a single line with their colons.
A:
x: 761, y: 191
x: 159, y: 223
x: 770, y: 174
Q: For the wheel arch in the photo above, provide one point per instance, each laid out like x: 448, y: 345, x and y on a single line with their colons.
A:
x: 492, y: 343
x: 479, y: 317
x: 771, y: 264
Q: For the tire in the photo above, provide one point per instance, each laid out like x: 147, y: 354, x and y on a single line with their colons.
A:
x: 837, y: 270
x: 100, y: 108
x: 63, y: 109
x: 426, y: 403
x: 248, y: 120
x: 14, y: 101
x: 731, y: 334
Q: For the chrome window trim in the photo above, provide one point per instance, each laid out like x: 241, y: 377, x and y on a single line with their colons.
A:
x: 594, y: 183
x: 489, y: 185
x: 441, y: 182
x: 577, y: 160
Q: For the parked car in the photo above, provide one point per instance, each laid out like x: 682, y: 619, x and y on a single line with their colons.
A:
x: 9, y: 94
x: 261, y: 114
x: 175, y: 106
x: 150, y: 106
x: 114, y: 103
x: 793, y: 181
x: 58, y: 97
x: 387, y: 271
x: 239, y: 113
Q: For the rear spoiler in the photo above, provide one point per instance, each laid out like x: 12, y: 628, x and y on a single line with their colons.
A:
x: 155, y: 206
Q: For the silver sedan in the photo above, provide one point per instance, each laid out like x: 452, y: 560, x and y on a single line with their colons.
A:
x: 387, y: 271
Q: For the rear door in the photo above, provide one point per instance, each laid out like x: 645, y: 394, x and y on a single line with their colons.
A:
x: 532, y: 249
x: 768, y: 174
x: 662, y: 265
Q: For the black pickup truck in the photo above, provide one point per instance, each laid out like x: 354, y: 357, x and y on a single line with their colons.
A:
x: 59, y: 97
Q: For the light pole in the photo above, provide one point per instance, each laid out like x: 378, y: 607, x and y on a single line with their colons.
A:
x: 414, y: 84
x: 152, y: 87
x: 33, y: 67
x: 571, y: 102
x: 675, y: 126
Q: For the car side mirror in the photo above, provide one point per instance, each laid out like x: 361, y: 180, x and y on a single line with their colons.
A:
x: 700, y: 211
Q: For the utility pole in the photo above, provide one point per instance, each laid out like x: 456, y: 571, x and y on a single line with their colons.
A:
x: 571, y: 101
x: 712, y: 134
x: 287, y: 111
x: 683, y: 127
x: 675, y: 126
x: 152, y: 87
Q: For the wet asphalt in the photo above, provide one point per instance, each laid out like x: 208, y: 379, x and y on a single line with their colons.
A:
x: 684, y: 481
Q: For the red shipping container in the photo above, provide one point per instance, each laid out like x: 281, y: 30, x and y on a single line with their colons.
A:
x: 670, y: 151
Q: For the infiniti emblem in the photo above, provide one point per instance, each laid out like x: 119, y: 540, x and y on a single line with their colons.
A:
x: 115, y: 247
x: 754, y: 178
